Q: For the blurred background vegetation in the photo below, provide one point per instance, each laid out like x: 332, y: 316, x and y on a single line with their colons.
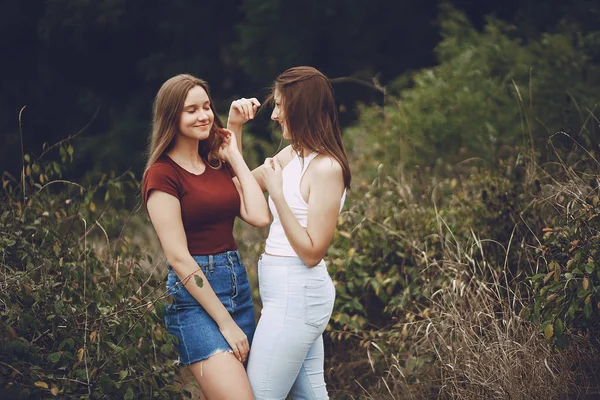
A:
x: 466, y: 259
x: 80, y: 62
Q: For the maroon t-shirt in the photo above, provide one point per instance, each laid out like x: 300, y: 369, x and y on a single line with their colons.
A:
x: 209, y: 203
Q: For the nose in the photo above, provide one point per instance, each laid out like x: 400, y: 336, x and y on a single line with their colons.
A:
x: 275, y: 115
x: 203, y: 115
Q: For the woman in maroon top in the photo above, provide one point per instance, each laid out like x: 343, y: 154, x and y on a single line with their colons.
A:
x: 192, y: 202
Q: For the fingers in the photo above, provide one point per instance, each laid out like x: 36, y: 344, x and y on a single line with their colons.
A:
x: 223, y: 133
x: 241, y: 349
x: 246, y: 107
x: 236, y: 352
x: 245, y: 349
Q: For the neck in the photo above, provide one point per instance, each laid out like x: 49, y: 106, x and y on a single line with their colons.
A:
x: 185, y: 150
x: 305, y: 153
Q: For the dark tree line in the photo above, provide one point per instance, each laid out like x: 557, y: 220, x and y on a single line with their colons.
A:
x: 80, y: 62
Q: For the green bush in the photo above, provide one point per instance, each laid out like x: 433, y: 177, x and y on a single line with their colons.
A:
x: 565, y: 289
x: 453, y: 175
x: 395, y: 230
x: 79, y: 316
x: 475, y: 236
x: 407, y: 237
x: 491, y: 91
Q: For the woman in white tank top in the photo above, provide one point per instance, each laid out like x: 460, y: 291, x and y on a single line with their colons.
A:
x: 307, y: 184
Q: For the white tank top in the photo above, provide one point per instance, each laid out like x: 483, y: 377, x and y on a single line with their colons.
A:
x: 277, y: 242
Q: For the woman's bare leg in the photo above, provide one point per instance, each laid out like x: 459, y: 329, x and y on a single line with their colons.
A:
x: 222, y: 377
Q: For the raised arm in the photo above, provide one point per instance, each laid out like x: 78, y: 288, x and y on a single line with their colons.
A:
x: 253, y: 206
x: 326, y: 189
x: 165, y: 215
x: 240, y: 112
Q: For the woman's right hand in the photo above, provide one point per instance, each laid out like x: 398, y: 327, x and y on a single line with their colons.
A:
x: 271, y: 174
x: 242, y: 110
x: 229, y: 146
x: 237, y: 339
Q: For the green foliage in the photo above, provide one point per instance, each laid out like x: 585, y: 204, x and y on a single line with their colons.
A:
x: 398, y: 228
x: 79, y: 316
x: 455, y: 180
x: 565, y: 291
x: 492, y: 91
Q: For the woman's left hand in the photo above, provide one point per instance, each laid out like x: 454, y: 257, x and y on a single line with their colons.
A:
x: 242, y: 110
x: 272, y: 176
x: 229, y: 146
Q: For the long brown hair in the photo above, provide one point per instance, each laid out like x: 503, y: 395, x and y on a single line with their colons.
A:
x: 166, y: 115
x: 310, y: 113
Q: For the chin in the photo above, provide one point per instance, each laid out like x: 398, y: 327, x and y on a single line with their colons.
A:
x: 203, y: 134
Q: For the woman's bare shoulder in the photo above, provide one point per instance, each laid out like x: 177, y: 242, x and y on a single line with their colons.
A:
x: 285, y: 155
x: 326, y: 164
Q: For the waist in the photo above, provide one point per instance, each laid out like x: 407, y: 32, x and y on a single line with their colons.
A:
x: 277, y: 243
x: 223, y: 258
x: 267, y: 259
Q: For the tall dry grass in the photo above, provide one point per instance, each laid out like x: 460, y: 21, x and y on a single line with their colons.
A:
x: 479, y: 346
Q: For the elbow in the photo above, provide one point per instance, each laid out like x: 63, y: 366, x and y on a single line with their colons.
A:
x: 175, y: 260
x: 260, y: 220
x: 311, y: 261
x: 265, y: 220
x: 311, y: 256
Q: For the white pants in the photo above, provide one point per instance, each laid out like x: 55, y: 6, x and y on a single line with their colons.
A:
x: 287, y: 352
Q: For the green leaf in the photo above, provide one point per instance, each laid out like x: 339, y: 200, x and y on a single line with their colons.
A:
x: 106, y: 384
x: 562, y: 342
x: 114, y: 347
x: 54, y: 357
x: 572, y: 308
x: 123, y: 374
x: 587, y: 310
x: 558, y: 328
x: 549, y: 332
x: 537, y: 277
x: 58, y: 306
x: 525, y: 313
x: 80, y: 374
x: 67, y: 344
x: 589, y: 268
x: 160, y: 309
x: 198, y: 280
x: 129, y: 394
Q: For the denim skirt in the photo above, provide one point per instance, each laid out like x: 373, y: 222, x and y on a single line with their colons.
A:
x: 199, y: 336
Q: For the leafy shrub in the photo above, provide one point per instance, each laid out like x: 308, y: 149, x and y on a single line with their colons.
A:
x: 79, y: 316
x: 473, y: 344
x: 565, y: 289
x: 403, y: 240
x: 491, y: 91
x: 432, y: 285
x: 392, y: 234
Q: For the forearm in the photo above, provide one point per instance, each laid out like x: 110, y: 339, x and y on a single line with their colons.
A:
x: 186, y: 270
x: 253, y: 199
x: 237, y: 130
x: 296, y: 234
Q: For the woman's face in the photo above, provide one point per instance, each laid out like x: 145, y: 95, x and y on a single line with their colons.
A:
x: 197, y: 117
x: 278, y: 115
